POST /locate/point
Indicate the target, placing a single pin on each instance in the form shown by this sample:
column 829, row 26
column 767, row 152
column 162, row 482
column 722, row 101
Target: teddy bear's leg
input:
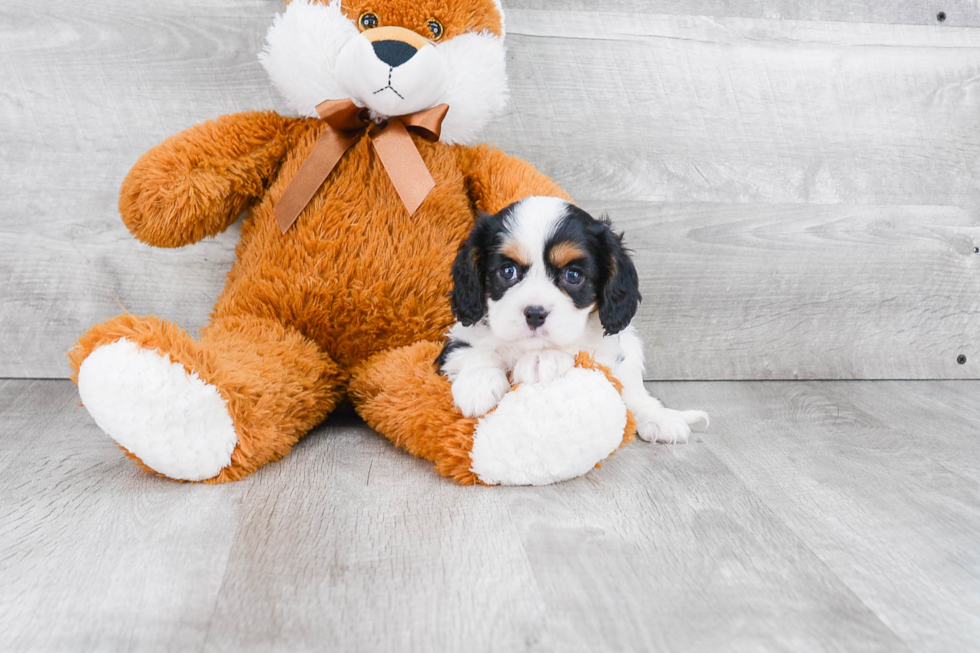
column 400, row 394
column 538, row 434
column 212, row 410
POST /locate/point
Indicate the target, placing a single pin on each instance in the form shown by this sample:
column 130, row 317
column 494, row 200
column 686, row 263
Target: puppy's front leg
column 479, row 379
column 653, row 420
column 543, row 366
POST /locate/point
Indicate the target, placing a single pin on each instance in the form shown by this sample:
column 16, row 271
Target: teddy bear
column 354, row 210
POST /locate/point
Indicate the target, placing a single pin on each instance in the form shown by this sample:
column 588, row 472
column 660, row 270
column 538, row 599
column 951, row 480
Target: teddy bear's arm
column 495, row 179
column 196, row 183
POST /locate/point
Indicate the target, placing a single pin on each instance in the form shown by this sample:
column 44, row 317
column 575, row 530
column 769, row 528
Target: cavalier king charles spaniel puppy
column 534, row 285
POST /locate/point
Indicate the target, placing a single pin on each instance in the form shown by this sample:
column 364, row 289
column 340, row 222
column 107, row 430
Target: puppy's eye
column 508, row 272
column 368, row 20
column 573, row 277
column 435, row 29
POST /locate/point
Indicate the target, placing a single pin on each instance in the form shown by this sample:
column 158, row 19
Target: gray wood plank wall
column 798, row 180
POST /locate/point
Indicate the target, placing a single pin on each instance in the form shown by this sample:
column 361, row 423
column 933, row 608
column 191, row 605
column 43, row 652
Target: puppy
column 534, row 285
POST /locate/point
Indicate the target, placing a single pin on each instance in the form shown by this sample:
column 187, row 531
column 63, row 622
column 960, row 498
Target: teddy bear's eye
column 435, row 29
column 368, row 20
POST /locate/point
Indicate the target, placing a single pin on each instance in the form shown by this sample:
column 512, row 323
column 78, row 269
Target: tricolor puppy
column 534, row 285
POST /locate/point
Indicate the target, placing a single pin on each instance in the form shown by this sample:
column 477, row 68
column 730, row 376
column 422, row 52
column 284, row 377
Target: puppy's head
column 394, row 57
column 539, row 269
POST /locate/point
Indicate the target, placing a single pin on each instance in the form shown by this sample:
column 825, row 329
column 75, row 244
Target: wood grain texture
column 839, row 111
column 879, row 480
column 804, row 291
column 811, row 517
column 681, row 558
column 94, row 557
column 83, row 95
column 913, row 12
column 353, row 545
column 680, row 108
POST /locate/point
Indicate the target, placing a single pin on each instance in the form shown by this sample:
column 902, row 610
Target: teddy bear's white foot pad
column 176, row 423
column 548, row 432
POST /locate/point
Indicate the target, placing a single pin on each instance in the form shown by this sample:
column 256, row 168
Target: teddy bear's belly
column 355, row 273
column 390, row 288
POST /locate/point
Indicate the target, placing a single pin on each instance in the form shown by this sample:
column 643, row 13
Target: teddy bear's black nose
column 394, row 53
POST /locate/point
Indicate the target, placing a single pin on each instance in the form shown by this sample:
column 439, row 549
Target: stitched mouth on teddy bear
column 389, row 87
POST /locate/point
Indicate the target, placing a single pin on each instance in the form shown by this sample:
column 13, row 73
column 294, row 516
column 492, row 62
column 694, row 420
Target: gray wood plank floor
column 813, row 516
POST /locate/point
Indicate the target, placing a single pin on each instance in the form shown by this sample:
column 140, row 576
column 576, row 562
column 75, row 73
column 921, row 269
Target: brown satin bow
column 346, row 123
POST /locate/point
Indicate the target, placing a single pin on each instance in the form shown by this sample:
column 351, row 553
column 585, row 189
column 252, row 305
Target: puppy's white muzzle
column 561, row 325
column 392, row 71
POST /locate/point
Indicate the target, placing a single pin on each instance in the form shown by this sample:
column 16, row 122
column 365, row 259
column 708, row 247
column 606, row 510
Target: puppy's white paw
column 477, row 391
column 666, row 425
column 543, row 366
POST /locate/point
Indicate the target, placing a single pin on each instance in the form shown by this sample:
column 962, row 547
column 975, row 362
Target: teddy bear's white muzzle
column 392, row 78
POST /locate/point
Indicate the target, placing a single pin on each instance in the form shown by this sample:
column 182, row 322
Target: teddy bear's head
column 394, row 57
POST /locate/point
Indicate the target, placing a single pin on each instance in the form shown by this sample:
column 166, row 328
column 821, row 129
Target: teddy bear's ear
column 301, row 50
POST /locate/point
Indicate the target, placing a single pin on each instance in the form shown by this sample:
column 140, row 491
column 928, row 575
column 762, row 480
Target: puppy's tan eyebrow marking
column 516, row 252
column 565, row 252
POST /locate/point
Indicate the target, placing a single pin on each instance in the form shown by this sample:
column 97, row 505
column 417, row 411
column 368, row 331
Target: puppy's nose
column 394, row 53
column 535, row 316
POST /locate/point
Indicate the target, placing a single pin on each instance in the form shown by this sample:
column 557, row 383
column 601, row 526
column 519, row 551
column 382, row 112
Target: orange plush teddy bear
column 355, row 212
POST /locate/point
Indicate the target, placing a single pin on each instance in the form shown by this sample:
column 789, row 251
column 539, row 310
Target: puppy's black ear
column 620, row 295
column 469, row 298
